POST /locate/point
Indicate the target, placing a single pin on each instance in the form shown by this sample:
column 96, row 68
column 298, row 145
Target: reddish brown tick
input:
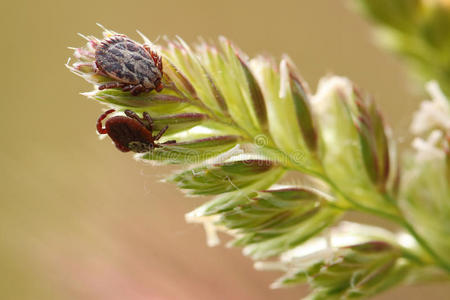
column 134, row 68
column 130, row 132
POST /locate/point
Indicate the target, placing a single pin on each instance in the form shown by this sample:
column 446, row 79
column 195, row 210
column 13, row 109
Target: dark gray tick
column 134, row 68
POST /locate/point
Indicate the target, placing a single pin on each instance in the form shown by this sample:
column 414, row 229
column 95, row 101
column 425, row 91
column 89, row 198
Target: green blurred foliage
column 418, row 30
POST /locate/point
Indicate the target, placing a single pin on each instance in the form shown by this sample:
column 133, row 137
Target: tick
column 130, row 132
column 134, row 68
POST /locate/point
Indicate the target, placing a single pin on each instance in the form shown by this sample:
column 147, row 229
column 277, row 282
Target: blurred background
column 81, row 220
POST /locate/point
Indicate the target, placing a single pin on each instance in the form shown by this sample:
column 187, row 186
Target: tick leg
column 110, row 85
column 160, row 134
column 100, row 128
column 133, row 115
column 149, row 119
column 98, row 72
column 127, row 88
column 159, row 87
column 169, row 142
column 156, row 58
column 136, row 90
column 148, row 49
column 147, row 90
column 159, row 64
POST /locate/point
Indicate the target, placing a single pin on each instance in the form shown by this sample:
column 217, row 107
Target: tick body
column 130, row 132
column 134, row 68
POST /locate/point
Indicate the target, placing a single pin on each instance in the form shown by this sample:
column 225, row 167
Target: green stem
column 442, row 263
column 359, row 206
column 406, row 253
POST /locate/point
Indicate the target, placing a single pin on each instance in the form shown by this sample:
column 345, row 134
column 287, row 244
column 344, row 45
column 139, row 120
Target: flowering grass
column 240, row 124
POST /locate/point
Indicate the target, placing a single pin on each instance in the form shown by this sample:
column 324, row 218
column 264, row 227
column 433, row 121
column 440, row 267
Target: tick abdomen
column 127, row 62
column 124, row 131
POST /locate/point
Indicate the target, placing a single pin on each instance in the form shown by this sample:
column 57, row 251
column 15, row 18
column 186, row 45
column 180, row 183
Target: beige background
column 80, row 220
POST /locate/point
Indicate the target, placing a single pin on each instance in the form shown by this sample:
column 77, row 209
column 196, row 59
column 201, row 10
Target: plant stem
column 442, row 263
column 406, row 253
column 358, row 205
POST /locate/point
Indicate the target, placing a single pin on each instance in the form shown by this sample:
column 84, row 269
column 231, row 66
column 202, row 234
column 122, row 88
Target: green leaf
column 272, row 212
column 230, row 201
column 276, row 220
column 223, row 177
column 185, row 60
column 191, row 152
column 425, row 194
column 257, row 97
column 155, row 103
column 174, row 76
column 434, row 29
column 374, row 141
column 348, row 144
column 229, row 81
column 306, row 228
column 399, row 14
column 368, row 152
column 303, row 111
column 179, row 122
column 355, row 271
column 418, row 31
